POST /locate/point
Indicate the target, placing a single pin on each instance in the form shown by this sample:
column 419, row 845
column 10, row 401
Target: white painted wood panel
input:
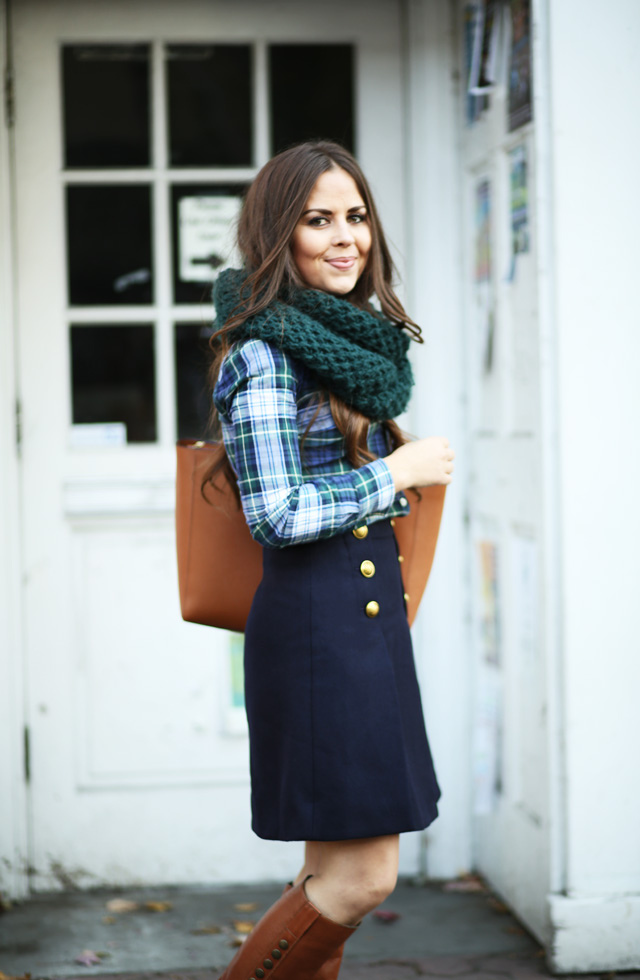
column 510, row 741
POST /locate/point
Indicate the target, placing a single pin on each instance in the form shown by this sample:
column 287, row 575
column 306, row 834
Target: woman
column 308, row 379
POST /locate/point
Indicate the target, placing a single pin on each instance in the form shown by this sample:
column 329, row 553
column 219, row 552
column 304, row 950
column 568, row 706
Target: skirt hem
column 378, row 832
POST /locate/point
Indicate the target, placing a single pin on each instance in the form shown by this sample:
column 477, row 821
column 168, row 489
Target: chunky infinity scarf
column 358, row 355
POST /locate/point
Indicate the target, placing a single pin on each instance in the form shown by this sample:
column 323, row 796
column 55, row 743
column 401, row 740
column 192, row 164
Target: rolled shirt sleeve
column 256, row 397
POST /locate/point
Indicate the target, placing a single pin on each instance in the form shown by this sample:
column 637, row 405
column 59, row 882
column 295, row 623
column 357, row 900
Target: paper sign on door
column 206, row 233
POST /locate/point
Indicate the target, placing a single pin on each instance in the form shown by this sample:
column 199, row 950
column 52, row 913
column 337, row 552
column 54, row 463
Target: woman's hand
column 421, row 463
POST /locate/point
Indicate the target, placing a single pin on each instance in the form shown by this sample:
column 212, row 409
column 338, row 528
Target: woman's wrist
column 400, row 471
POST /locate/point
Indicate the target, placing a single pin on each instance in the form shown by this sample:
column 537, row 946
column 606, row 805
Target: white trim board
column 593, row 934
column 13, row 798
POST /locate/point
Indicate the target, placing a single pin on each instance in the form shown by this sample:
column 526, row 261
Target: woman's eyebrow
column 356, row 207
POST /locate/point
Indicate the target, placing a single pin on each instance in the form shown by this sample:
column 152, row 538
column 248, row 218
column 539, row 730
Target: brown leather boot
column 330, row 969
column 292, row 941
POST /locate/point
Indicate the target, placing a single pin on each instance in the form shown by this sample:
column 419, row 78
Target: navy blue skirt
column 337, row 737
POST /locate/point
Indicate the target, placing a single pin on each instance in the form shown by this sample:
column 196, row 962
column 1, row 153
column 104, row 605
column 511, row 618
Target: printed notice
column 97, row 435
column 206, row 232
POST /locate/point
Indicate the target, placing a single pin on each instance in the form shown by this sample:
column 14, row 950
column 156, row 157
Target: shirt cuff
column 375, row 487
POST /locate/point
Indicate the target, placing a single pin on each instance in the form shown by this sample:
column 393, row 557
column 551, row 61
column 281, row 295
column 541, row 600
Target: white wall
column 441, row 634
column 13, row 813
column 594, row 93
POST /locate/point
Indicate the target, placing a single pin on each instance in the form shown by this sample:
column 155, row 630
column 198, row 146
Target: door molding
column 14, row 822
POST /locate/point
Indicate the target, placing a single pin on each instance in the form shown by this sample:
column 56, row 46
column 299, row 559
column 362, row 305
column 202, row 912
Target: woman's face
column 332, row 240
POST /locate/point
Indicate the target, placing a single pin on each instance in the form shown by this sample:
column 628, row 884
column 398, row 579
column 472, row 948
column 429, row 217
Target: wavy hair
column 272, row 208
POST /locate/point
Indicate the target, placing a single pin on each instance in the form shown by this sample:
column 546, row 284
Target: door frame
column 383, row 162
column 14, row 807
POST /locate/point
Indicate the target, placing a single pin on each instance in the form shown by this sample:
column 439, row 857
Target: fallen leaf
column 119, row 905
column 5, row 976
column 158, row 906
column 206, row 931
column 497, row 905
column 385, row 915
column 246, row 906
column 465, row 883
column 243, row 926
column 88, row 957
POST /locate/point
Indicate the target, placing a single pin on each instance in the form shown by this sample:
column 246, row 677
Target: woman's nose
column 343, row 234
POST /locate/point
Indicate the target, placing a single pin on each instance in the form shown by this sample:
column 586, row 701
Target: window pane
column 106, row 105
column 192, row 359
column 204, row 219
column 109, row 244
column 113, row 377
column 312, row 93
column 209, row 97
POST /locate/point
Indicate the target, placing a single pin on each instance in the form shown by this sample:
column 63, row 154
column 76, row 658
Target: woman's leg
column 353, row 877
column 311, row 866
column 306, row 928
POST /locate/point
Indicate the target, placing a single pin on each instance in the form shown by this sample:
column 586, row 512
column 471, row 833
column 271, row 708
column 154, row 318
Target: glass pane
column 312, row 93
column 113, row 377
column 203, row 225
column 192, row 359
column 109, row 244
column 106, row 105
column 210, row 111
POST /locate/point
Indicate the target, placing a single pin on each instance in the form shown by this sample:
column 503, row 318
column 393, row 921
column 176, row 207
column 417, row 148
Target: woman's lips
column 346, row 262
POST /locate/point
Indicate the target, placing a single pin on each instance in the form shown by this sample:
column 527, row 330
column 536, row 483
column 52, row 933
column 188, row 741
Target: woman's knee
column 371, row 888
column 365, row 886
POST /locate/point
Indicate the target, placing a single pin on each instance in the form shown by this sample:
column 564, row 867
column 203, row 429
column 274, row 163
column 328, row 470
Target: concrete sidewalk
column 187, row 934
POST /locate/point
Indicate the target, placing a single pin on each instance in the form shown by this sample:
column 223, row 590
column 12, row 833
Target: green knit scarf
column 355, row 353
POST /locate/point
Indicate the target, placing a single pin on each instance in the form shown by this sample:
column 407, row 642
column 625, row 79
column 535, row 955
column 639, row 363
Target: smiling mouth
column 347, row 262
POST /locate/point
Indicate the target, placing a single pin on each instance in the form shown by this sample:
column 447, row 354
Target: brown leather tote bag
column 220, row 565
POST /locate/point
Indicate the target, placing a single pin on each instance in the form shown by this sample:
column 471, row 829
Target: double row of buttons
column 368, row 569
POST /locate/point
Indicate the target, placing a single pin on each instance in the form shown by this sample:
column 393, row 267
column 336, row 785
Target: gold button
column 360, row 532
column 406, row 597
column 372, row 609
column 367, row 568
column 392, row 522
column 400, row 557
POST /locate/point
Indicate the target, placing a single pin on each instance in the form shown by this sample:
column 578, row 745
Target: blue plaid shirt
column 266, row 400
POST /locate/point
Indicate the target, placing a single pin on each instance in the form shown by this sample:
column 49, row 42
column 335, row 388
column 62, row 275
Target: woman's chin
column 341, row 286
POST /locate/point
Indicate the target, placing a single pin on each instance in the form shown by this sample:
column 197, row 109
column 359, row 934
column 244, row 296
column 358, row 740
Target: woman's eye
column 317, row 222
column 358, row 218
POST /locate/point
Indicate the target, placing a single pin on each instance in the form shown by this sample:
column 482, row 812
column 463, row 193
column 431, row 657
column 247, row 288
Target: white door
column 137, row 126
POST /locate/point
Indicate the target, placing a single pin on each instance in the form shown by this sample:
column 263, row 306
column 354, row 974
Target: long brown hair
column 271, row 211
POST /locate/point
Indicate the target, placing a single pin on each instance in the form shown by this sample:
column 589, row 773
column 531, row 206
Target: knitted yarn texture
column 357, row 354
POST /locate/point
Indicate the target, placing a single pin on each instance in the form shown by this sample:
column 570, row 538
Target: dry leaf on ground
column 385, row 915
column 246, row 906
column 243, row 926
column 119, row 905
column 5, row 976
column 465, row 883
column 158, row 906
column 497, row 905
column 89, row 957
column 206, row 931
